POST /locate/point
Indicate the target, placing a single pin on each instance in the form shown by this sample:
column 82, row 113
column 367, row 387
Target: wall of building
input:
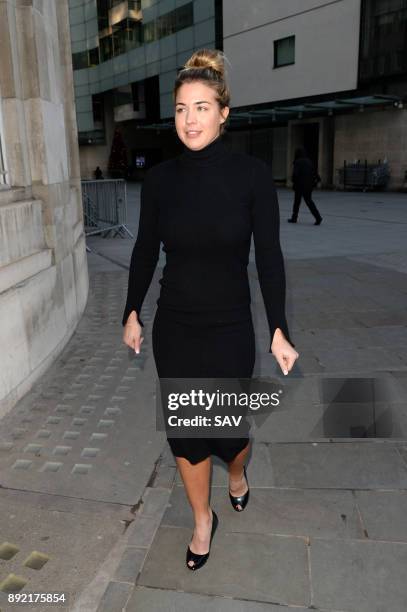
column 323, row 63
column 91, row 156
column 43, row 268
column 373, row 135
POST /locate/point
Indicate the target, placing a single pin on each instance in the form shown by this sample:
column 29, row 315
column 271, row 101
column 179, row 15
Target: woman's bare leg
column 196, row 482
column 237, row 482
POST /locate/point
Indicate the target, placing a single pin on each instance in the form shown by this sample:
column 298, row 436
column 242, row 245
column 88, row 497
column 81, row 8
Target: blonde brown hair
column 208, row 66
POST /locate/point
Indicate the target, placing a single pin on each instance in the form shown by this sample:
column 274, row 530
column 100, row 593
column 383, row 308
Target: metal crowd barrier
column 105, row 207
column 364, row 175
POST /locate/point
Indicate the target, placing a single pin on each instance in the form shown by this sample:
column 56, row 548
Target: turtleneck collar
column 207, row 155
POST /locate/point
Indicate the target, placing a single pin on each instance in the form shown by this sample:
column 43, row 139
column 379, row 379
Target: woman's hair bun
column 208, row 58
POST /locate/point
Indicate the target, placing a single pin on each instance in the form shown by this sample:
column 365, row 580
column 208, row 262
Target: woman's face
column 197, row 115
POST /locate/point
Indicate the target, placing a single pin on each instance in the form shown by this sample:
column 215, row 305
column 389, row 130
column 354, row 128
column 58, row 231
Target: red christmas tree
column 118, row 156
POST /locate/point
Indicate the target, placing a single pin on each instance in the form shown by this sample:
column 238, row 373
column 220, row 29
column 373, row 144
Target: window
column 98, row 111
column 134, row 5
column 184, row 16
column 85, row 59
column 80, row 60
column 149, row 31
column 284, row 51
column 127, row 35
column 106, row 48
column 94, row 57
column 131, row 32
column 168, row 24
column 103, row 7
column 135, row 96
column 122, row 95
column 383, row 39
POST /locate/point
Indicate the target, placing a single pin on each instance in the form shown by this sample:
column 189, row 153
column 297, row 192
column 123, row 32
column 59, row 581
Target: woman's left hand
column 284, row 353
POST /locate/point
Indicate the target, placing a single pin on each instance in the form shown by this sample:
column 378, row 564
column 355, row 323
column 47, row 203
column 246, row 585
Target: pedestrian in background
column 305, row 178
column 98, row 174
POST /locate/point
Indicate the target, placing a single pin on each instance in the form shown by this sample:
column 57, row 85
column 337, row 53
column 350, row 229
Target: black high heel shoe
column 200, row 560
column 241, row 500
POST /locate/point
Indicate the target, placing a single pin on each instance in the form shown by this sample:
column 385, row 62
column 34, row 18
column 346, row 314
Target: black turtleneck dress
column 204, row 206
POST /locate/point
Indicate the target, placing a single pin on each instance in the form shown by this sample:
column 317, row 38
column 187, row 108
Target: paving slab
column 277, row 511
column 359, row 576
column 163, row 600
column 393, row 260
column 363, row 420
column 359, row 360
column 115, row 597
column 281, row 577
column 347, row 465
column 89, row 419
column 130, row 565
column 294, row 422
column 63, row 532
column 384, row 514
column 143, row 531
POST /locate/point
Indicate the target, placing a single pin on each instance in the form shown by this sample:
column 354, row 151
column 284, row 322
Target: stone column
column 43, row 267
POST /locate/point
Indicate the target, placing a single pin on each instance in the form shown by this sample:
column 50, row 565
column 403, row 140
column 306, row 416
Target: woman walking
column 204, row 205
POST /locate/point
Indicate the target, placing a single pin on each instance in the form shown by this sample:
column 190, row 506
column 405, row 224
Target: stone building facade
column 43, row 267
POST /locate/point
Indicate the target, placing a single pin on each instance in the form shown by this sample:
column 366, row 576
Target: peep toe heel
column 200, row 560
column 241, row 500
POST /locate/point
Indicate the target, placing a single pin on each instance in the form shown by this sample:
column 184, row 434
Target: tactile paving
column 73, row 434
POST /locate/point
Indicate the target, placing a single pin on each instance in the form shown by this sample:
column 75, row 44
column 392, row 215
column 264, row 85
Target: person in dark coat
column 305, row 178
column 98, row 174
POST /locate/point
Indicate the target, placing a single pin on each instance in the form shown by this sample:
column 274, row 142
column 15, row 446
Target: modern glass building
column 293, row 80
column 125, row 56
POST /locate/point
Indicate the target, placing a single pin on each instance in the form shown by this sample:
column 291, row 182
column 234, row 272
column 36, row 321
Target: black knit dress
column 204, row 206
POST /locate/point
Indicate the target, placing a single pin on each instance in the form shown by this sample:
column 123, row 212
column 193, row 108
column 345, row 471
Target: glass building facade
column 130, row 50
column 130, row 32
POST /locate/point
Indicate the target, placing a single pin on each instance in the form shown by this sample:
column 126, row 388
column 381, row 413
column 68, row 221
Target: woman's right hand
column 132, row 332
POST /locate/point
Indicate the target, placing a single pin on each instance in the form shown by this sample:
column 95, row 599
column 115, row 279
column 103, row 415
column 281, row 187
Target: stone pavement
column 92, row 504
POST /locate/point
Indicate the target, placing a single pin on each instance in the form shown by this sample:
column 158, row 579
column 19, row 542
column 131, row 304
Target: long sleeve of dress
column 268, row 255
column 145, row 251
